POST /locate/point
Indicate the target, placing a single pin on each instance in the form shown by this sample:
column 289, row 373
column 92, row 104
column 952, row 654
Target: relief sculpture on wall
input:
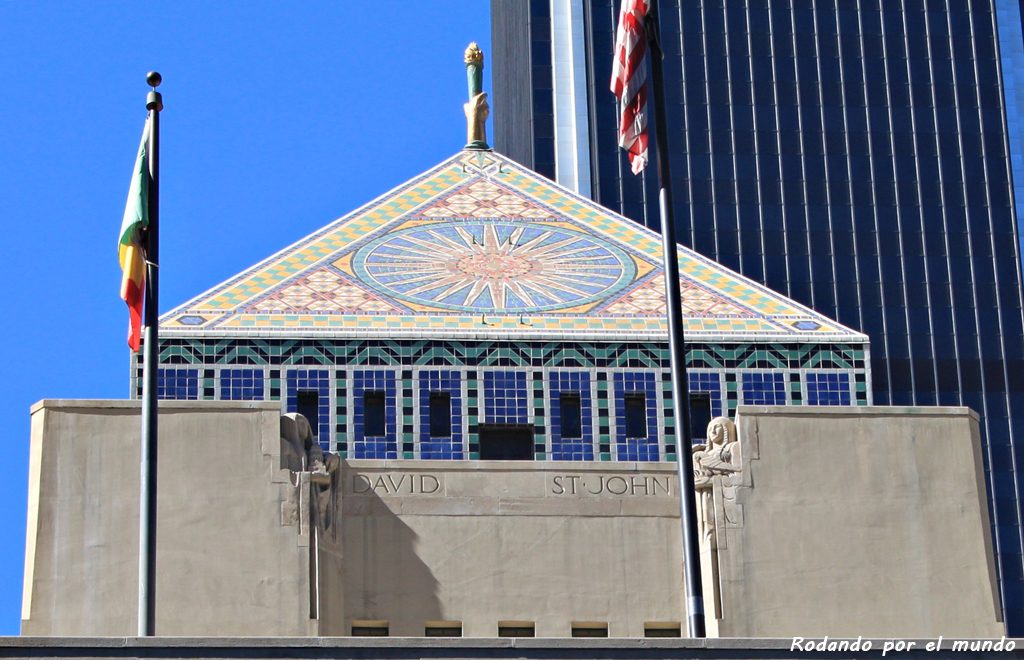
column 715, row 466
column 300, row 452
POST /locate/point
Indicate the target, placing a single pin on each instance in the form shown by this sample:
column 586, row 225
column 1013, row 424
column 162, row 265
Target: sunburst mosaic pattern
column 481, row 246
column 494, row 266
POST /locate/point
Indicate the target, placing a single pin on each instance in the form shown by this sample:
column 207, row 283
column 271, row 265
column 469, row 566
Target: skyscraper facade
column 864, row 157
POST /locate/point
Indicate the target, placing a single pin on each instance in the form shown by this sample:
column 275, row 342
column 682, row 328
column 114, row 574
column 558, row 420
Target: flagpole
column 151, row 341
column 677, row 346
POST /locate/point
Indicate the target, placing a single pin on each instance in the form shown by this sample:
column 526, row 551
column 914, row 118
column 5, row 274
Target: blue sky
column 278, row 119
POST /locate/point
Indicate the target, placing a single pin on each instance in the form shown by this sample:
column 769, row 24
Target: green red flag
column 131, row 250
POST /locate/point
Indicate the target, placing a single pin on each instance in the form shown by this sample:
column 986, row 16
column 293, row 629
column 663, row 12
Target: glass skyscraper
column 864, row 157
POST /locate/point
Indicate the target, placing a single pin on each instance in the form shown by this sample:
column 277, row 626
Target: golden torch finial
column 473, row 54
column 476, row 109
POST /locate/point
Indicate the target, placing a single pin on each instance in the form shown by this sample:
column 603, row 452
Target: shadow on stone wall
column 369, row 569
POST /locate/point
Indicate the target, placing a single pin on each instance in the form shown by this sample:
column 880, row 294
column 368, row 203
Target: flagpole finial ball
column 154, row 79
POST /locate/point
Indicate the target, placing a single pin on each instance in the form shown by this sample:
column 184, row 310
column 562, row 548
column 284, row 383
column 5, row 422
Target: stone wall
column 550, row 543
column 866, row 521
column 232, row 536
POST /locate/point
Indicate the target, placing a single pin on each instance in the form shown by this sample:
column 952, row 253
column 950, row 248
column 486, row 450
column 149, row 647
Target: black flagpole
column 150, row 343
column 680, row 384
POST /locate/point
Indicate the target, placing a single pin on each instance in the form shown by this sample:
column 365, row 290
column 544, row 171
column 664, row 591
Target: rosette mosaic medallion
column 481, row 246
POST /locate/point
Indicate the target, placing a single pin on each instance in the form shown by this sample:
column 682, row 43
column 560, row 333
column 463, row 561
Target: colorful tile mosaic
column 828, row 389
column 572, row 420
column 514, row 382
column 505, row 398
column 448, row 384
column 766, row 389
column 636, row 416
column 370, row 442
column 479, row 294
column 484, row 199
column 241, row 385
column 480, row 246
column 180, row 384
column 309, row 393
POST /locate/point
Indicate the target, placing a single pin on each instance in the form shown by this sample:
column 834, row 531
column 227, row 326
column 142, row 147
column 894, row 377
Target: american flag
column 629, row 81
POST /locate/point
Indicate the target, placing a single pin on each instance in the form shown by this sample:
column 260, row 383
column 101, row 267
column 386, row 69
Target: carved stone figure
column 300, row 452
column 721, row 453
column 719, row 457
column 303, row 452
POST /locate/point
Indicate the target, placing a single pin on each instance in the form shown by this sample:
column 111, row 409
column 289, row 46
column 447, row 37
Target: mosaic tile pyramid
column 479, row 247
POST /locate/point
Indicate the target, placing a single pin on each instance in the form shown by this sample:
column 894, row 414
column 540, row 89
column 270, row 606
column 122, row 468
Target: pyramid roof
column 481, row 247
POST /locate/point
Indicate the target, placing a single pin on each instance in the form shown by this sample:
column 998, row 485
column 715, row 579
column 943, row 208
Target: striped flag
column 131, row 251
column 629, row 81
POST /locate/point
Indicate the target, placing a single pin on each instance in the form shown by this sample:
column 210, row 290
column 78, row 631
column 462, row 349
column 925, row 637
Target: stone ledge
column 134, row 404
column 855, row 411
column 462, row 648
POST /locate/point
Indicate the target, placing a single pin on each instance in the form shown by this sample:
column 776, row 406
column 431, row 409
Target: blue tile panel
column 636, row 449
column 825, row 389
column 506, row 399
column 450, row 382
column 699, row 383
column 708, row 383
column 181, row 384
column 312, row 380
column 571, row 449
column 241, row 384
column 765, row 389
column 208, row 369
column 385, row 446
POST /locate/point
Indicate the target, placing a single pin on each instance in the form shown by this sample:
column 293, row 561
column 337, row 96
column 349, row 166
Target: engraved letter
column 634, row 486
column 396, row 487
column 611, row 490
column 556, row 485
column 660, row 483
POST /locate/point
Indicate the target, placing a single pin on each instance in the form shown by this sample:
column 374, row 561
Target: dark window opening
column 636, row 415
column 308, row 405
column 506, row 442
column 440, row 415
column 516, row 629
column 443, row 629
column 370, row 629
column 700, row 415
column 590, row 630
column 666, row 629
column 374, row 414
column 572, row 415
